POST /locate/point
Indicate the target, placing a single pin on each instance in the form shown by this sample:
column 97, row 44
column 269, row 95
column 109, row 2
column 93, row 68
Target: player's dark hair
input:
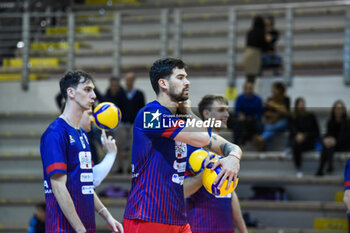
column 72, row 79
column 162, row 69
column 207, row 101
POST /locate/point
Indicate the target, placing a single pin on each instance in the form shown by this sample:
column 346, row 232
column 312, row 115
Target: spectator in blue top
column 248, row 113
column 37, row 222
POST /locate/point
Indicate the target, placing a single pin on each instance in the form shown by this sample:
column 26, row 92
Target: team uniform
column 66, row 150
column 347, row 185
column 156, row 200
column 206, row 212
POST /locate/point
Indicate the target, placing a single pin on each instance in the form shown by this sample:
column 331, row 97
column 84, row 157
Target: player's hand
column 114, row 225
column 185, row 106
column 209, row 158
column 108, row 143
column 230, row 168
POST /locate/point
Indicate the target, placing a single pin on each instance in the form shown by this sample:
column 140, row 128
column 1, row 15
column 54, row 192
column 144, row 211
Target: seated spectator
column 37, row 222
column 248, row 113
column 275, row 115
column 336, row 137
column 255, row 44
column 304, row 132
column 270, row 58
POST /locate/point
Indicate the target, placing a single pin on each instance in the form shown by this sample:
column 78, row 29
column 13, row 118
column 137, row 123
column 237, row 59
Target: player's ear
column 70, row 92
column 206, row 114
column 163, row 84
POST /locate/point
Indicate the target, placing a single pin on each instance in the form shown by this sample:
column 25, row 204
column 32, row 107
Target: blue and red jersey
column 207, row 212
column 347, row 175
column 347, row 185
column 158, row 168
column 66, row 150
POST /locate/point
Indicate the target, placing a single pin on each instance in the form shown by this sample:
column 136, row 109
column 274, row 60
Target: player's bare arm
column 113, row 224
column 230, row 164
column 237, row 214
column 347, row 199
column 221, row 146
column 192, row 184
column 59, row 188
column 194, row 136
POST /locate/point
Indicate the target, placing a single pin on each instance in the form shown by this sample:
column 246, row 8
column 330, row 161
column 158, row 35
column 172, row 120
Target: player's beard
column 178, row 97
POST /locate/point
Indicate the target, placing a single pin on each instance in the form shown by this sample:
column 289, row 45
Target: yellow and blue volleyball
column 197, row 159
column 106, row 116
column 208, row 181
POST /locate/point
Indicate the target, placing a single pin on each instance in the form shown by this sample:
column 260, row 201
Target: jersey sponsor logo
column 180, row 150
column 85, row 160
column 86, row 177
column 71, row 139
column 46, row 187
column 178, row 179
column 87, row 189
column 151, row 120
column 48, row 191
column 134, row 175
column 179, row 167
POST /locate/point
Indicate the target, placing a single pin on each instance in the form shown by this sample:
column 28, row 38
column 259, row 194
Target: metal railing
column 165, row 26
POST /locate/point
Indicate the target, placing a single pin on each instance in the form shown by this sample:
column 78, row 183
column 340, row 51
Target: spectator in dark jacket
column 248, row 113
column 255, row 43
column 337, row 137
column 270, row 57
column 115, row 93
column 131, row 101
column 304, row 132
column 135, row 100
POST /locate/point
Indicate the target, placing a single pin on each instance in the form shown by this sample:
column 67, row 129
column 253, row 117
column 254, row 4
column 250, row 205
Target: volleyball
column 208, row 179
column 197, row 159
column 106, row 116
